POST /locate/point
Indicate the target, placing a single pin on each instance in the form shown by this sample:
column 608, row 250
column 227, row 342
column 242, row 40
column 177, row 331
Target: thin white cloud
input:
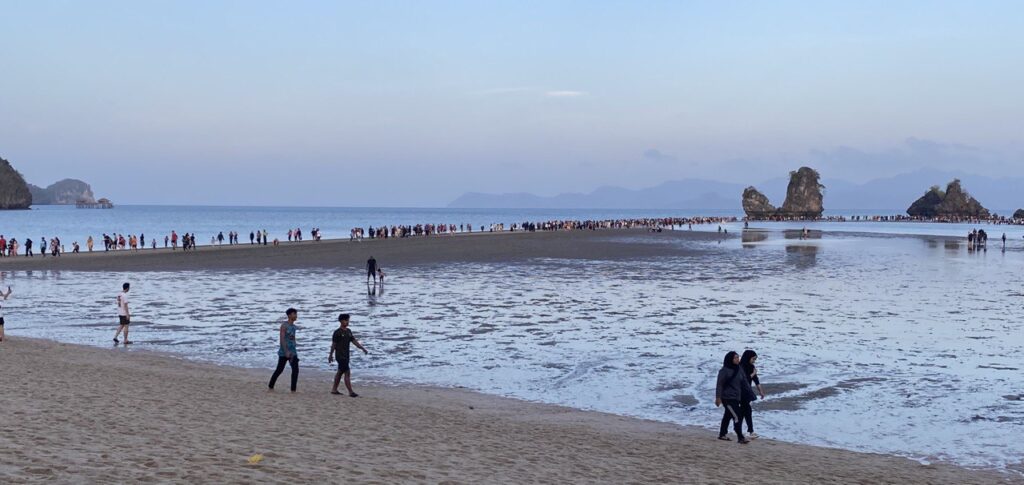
column 565, row 94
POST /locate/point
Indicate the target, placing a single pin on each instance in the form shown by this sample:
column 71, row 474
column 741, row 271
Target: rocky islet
column 14, row 192
column 954, row 202
column 804, row 198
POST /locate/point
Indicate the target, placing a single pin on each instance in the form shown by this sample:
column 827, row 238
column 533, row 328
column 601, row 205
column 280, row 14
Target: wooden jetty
column 99, row 204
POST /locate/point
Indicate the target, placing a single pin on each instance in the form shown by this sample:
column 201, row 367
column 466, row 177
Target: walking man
column 286, row 351
column 371, row 270
column 340, row 349
column 123, row 315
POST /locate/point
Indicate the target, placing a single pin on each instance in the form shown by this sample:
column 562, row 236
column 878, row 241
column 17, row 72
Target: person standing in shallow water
column 747, row 362
column 729, row 392
column 371, row 269
column 340, row 348
column 287, row 351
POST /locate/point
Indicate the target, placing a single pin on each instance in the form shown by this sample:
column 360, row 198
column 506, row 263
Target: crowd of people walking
column 188, row 242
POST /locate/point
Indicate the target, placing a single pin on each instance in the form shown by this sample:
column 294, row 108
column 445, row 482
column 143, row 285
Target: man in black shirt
column 340, row 349
column 371, row 269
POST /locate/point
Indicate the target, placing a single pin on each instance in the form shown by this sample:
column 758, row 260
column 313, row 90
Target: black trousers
column 748, row 416
column 733, row 412
column 294, row 363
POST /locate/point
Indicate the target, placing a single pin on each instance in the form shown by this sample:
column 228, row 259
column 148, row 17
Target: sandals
column 725, row 438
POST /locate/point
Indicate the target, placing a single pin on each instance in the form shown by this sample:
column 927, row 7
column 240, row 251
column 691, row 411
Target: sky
column 412, row 103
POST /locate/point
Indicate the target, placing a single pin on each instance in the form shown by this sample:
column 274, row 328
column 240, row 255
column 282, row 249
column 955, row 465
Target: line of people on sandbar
column 120, row 242
column 9, row 247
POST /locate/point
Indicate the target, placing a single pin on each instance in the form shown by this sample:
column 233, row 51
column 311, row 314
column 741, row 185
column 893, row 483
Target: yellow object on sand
column 254, row 459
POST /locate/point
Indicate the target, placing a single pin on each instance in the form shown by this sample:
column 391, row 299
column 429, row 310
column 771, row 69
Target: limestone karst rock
column 804, row 198
column 64, row 192
column 14, row 193
column 756, row 204
column 953, row 202
column 804, row 195
column 927, row 205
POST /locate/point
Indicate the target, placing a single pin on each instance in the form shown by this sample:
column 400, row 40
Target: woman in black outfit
column 747, row 364
column 731, row 390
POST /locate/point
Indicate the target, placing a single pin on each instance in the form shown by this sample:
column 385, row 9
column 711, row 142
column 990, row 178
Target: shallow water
column 882, row 343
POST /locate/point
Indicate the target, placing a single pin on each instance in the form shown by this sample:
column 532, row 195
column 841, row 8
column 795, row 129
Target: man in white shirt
column 123, row 315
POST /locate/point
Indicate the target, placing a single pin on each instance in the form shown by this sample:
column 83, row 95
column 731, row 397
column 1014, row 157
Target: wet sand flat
column 79, row 414
column 469, row 247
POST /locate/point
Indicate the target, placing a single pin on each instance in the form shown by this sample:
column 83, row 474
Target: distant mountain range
column 884, row 195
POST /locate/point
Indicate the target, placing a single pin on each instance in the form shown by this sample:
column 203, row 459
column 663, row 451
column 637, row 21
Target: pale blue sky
column 413, row 103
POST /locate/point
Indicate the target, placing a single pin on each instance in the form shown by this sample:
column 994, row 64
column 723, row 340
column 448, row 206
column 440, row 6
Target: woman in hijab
column 730, row 390
column 747, row 364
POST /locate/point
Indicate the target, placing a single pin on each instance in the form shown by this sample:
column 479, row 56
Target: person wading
column 371, row 269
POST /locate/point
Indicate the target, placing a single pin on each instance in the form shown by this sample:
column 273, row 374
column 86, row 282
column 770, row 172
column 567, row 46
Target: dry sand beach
column 71, row 413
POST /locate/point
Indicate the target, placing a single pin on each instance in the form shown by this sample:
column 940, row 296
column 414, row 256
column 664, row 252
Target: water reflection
column 751, row 237
column 801, row 234
column 802, row 256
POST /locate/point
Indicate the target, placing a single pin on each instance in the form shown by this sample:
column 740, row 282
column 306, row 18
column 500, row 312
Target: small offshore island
column 17, row 194
column 805, row 195
column 14, row 192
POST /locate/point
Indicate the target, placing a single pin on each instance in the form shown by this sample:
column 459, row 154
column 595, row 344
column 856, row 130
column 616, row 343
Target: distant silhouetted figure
column 371, row 269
